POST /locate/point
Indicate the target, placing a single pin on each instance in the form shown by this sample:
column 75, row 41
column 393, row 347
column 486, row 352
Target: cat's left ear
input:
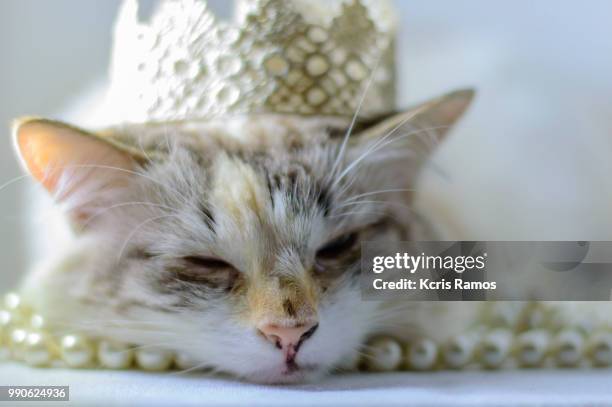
column 81, row 170
column 415, row 133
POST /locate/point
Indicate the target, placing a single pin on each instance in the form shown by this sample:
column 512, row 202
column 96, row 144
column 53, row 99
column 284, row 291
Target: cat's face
column 238, row 243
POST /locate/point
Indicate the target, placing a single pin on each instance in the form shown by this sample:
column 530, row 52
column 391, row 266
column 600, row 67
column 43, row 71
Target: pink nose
column 288, row 338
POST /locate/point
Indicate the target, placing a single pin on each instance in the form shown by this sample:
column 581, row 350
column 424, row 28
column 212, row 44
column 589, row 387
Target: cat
column 236, row 241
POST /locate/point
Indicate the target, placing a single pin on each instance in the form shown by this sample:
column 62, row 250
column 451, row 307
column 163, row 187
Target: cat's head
column 235, row 241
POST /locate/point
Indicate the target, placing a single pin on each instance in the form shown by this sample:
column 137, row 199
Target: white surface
column 505, row 388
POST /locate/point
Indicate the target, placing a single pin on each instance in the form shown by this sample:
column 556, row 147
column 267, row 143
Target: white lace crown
column 279, row 56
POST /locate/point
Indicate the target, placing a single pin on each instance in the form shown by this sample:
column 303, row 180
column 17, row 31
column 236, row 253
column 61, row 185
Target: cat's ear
column 415, row 133
column 80, row 169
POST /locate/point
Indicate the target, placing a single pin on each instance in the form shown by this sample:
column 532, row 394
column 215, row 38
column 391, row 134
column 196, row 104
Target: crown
column 278, row 56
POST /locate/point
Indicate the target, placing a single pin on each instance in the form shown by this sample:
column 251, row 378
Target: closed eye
column 206, row 262
column 210, row 271
column 338, row 247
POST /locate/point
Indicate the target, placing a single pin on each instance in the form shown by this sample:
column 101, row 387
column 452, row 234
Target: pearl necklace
column 25, row 337
column 511, row 335
column 503, row 341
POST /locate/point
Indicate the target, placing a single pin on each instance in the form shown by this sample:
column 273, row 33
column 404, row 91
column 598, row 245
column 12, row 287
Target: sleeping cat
column 236, row 241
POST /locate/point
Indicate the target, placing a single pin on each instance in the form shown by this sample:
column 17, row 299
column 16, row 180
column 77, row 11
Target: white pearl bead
column 37, row 350
column 495, row 348
column 532, row 347
column 17, row 339
column 77, row 351
column 37, row 322
column 383, row 354
column 568, row 347
column 6, row 319
column 12, row 301
column 115, row 355
column 600, row 349
column 153, row 359
column 459, row 351
column 185, row 362
column 422, row 354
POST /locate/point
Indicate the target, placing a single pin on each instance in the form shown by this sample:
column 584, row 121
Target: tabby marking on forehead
column 238, row 189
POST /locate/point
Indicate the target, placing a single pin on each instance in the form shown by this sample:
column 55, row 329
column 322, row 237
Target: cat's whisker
column 347, row 186
column 382, row 191
column 392, row 155
column 340, row 369
column 426, row 135
column 124, row 204
column 140, row 225
column 349, row 131
column 96, row 322
column 197, row 367
column 124, row 327
column 96, row 327
column 130, row 322
column 108, row 167
column 418, row 133
column 391, row 203
column 360, row 211
column 380, row 144
column 396, row 154
column 166, row 344
column 13, row 181
column 368, row 212
column 380, row 140
column 381, row 213
column 433, row 139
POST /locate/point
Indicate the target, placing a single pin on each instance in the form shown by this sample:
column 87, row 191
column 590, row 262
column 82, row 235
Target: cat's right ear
column 80, row 169
column 411, row 136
